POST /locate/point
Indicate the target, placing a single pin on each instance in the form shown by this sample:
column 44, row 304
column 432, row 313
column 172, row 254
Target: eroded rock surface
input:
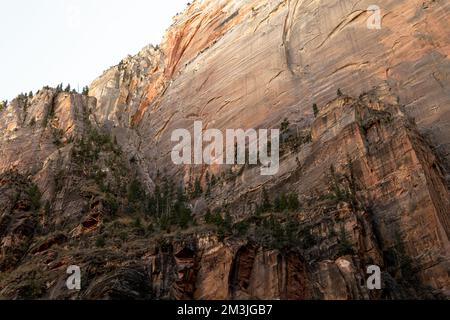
column 363, row 180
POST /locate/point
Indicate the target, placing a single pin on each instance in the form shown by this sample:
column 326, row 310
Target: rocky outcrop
column 363, row 179
column 403, row 182
column 17, row 219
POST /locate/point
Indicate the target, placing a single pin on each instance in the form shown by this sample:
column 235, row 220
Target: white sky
column 47, row 42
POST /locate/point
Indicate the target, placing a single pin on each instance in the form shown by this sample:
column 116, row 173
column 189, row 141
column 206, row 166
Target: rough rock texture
column 17, row 219
column 250, row 63
column 88, row 180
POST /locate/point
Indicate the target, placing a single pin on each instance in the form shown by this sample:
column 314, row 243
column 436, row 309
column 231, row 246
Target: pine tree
column 208, row 217
column 197, row 192
column 345, row 247
column 67, row 89
column 292, row 202
column 86, row 91
column 208, row 183
column 266, row 205
column 277, row 204
column 228, row 221
column 135, row 192
column 316, row 110
column 285, row 125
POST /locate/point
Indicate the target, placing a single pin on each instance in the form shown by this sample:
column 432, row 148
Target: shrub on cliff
column 35, row 197
column 345, row 247
column 85, row 91
column 285, row 126
column 197, row 190
column 32, row 122
column 266, row 205
column 136, row 197
column 316, row 110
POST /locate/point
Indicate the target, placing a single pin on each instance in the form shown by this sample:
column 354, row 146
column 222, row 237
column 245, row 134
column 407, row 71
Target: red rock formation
column 370, row 173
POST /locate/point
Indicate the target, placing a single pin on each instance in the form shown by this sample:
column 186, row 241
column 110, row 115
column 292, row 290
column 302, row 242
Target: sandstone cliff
column 88, row 180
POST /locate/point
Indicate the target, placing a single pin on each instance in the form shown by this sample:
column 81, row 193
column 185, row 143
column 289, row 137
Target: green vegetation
column 33, row 287
column 112, row 204
column 58, row 179
column 275, row 234
column 283, row 202
column 169, row 207
column 23, row 101
column 47, row 208
column 315, row 110
column 265, row 205
column 343, row 187
column 35, row 196
column 267, row 226
column 293, row 139
column 213, row 180
column 98, row 159
column 136, row 192
column 339, row 192
column 32, row 122
column 50, row 113
column 208, row 184
column 404, row 262
column 224, row 224
column 345, row 247
column 137, row 223
column 58, row 135
column 87, row 149
column 3, row 104
column 100, row 242
column 285, row 126
column 286, row 202
column 85, row 91
column 197, row 191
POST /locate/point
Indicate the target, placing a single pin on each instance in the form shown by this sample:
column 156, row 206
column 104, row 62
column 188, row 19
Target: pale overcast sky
column 46, row 42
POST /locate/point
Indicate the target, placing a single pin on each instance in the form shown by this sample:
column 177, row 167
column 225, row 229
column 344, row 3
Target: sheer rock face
column 33, row 126
column 372, row 182
column 234, row 64
column 239, row 64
